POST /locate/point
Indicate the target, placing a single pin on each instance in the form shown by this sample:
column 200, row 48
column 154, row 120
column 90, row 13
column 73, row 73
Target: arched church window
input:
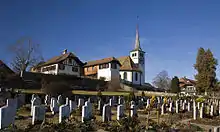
column 125, row 75
column 136, row 76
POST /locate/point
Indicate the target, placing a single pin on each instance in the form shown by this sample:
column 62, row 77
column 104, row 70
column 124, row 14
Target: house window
column 125, row 75
column 61, row 66
column 70, row 61
column 102, row 66
column 113, row 65
column 136, row 76
column 75, row 69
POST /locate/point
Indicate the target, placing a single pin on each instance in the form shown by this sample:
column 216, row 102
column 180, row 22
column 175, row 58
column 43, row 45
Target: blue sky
column 171, row 30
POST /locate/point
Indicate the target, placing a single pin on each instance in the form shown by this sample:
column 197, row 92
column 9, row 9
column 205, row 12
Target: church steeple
column 137, row 39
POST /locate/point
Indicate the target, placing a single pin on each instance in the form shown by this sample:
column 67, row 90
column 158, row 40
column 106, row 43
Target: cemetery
column 33, row 112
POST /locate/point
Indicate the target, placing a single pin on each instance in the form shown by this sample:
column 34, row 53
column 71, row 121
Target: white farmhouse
column 106, row 69
column 66, row 63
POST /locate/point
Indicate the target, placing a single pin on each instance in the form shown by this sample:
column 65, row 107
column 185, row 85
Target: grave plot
column 107, row 113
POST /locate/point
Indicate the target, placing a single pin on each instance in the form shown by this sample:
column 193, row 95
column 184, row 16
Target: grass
column 79, row 92
column 83, row 92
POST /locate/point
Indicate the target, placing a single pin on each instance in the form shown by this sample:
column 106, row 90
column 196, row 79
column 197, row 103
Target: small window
column 61, row 66
column 135, row 54
column 70, row 61
column 125, row 75
column 75, row 69
column 136, row 76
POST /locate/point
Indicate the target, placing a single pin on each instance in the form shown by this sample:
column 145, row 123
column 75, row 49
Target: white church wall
column 138, row 81
column 135, row 58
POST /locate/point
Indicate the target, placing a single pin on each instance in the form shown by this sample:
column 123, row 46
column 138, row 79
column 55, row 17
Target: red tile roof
column 128, row 64
column 101, row 61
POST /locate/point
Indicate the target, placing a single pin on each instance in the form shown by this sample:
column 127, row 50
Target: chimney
column 64, row 51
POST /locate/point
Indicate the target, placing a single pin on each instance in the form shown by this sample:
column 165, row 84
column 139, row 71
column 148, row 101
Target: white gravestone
column 47, row 100
column 188, row 106
column 201, row 112
column 84, row 113
column 133, row 110
column 120, row 111
column 106, row 113
column 7, row 113
column 38, row 114
column 54, row 106
column 64, row 112
column 212, row 110
column 194, row 110
column 171, row 107
column 89, row 106
column 163, row 109
column 177, row 107
column 111, row 102
column 80, row 102
column 60, row 100
column 72, row 105
column 67, row 101
column 34, row 102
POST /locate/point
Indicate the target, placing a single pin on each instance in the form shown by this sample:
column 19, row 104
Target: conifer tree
column 175, row 85
column 206, row 67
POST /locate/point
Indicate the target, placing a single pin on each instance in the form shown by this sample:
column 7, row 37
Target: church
column 127, row 69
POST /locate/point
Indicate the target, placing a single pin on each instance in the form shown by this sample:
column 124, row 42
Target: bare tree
column 162, row 80
column 26, row 53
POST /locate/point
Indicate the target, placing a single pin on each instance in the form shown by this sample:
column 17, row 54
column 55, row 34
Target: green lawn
column 79, row 92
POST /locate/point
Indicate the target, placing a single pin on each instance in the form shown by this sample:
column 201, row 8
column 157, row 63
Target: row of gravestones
column 8, row 111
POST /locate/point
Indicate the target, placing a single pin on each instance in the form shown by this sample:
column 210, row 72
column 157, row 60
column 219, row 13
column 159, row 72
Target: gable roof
column 127, row 64
column 58, row 59
column 4, row 68
column 185, row 81
column 102, row 61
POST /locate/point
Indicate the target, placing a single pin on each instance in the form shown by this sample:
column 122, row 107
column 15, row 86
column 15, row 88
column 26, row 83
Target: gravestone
column 201, row 112
column 8, row 113
column 34, row 102
column 60, row 100
column 183, row 107
column 120, row 111
column 194, row 110
column 111, row 102
column 64, row 112
column 106, row 113
column 177, row 106
column 80, row 102
column 133, row 110
column 72, row 105
column 89, row 107
column 47, row 100
column 54, row 106
column 171, row 107
column 84, row 113
column 212, row 110
column 148, row 103
column 188, row 106
column 163, row 109
column 38, row 114
column 67, row 101
column 120, row 100
column 20, row 100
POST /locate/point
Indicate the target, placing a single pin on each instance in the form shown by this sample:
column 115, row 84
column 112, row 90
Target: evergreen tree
column 206, row 67
column 174, row 88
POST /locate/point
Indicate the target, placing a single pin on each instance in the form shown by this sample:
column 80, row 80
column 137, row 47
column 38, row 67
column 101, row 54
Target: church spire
column 137, row 39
